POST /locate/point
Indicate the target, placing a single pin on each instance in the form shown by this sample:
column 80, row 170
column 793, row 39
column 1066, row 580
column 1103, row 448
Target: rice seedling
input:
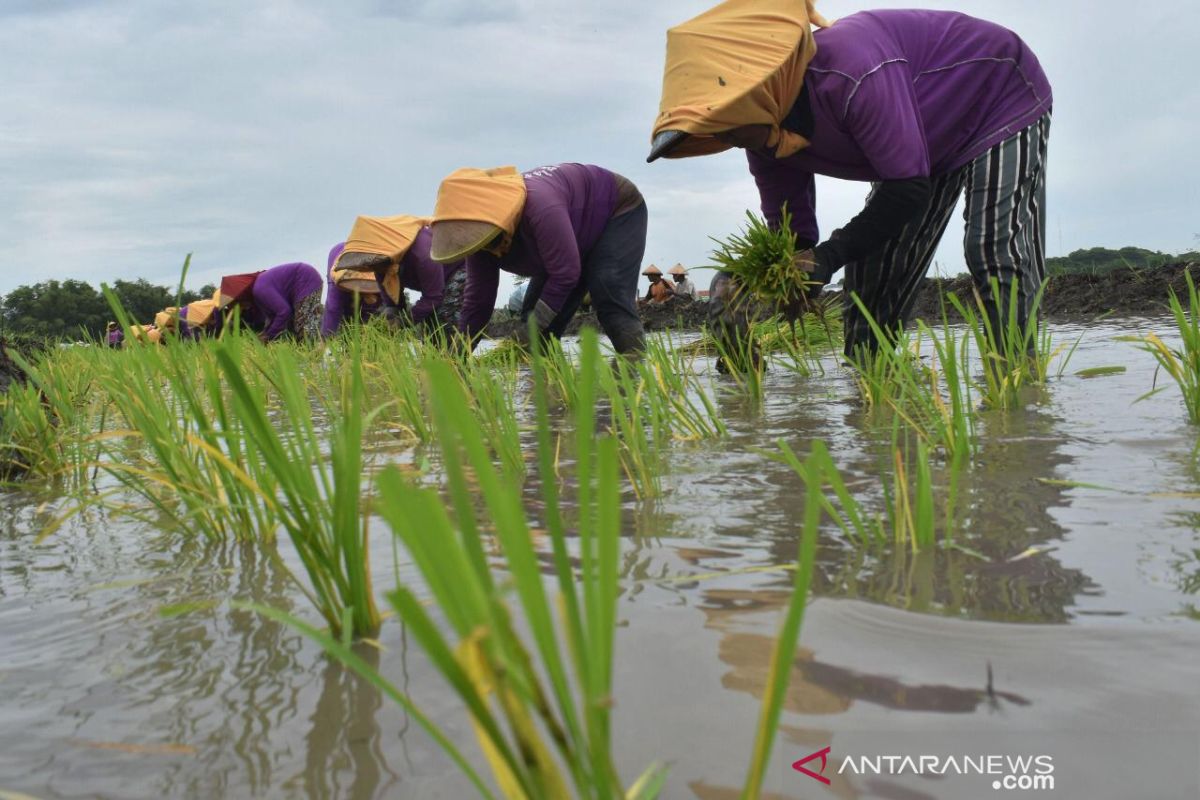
column 671, row 374
column 909, row 518
column 540, row 704
column 1013, row 355
column 192, row 464
column 762, row 259
column 50, row 424
column 320, row 498
column 1182, row 364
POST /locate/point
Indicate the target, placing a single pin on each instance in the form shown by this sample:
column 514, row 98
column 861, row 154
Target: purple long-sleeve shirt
column 903, row 94
column 339, row 304
column 279, row 290
column 566, row 209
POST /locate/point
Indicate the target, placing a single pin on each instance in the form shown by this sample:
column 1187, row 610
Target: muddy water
column 1067, row 625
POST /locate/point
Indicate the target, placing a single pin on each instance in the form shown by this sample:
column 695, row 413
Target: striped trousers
column 1005, row 239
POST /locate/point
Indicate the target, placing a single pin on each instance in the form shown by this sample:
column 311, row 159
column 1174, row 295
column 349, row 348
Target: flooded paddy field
column 1063, row 620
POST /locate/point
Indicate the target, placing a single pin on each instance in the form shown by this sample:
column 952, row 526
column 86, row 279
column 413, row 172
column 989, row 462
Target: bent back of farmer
column 570, row 228
column 924, row 105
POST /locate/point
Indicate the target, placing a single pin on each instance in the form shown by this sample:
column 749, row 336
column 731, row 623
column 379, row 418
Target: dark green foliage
column 1096, row 260
column 72, row 309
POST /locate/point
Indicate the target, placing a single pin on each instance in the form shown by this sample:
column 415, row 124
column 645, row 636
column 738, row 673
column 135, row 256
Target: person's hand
column 543, row 315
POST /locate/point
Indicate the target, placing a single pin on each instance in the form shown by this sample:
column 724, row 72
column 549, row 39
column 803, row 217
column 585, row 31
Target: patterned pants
column 1005, row 239
column 445, row 313
column 306, row 319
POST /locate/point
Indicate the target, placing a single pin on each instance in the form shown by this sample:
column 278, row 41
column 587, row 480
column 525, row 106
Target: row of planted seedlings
column 931, row 389
column 233, row 438
column 540, row 702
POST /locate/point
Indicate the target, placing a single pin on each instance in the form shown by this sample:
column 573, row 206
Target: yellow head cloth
column 739, row 63
column 493, row 196
column 200, row 312
column 384, row 236
column 142, row 334
column 166, row 319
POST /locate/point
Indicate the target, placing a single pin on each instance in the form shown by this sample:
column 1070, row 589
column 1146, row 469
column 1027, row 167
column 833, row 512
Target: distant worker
column 199, row 318
column 923, row 104
column 142, row 334
column 276, row 301
column 113, row 335
column 683, row 284
column 569, row 228
column 659, row 291
column 394, row 253
column 349, row 294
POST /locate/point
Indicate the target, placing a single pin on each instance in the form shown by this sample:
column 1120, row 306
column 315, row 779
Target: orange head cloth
column 491, row 198
column 145, row 334
column 200, row 312
column 382, row 236
column 234, row 288
column 740, row 63
column 165, row 320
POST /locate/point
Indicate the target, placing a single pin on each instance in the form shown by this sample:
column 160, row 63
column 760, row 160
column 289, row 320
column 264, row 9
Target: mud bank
column 1069, row 298
column 1076, row 297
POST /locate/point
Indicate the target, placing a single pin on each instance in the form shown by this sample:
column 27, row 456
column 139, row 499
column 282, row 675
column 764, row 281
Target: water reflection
column 1003, row 569
column 343, row 755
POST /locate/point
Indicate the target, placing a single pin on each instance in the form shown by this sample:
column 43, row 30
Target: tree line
column 73, row 309
column 1095, row 260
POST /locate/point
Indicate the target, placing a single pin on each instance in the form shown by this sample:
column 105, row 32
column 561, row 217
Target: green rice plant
column 762, row 259
column 1182, row 364
column 493, row 390
column 320, row 498
column 740, row 358
column 1012, row 355
column 910, row 503
column 641, row 424
column 671, row 375
column 819, row 471
column 934, row 401
column 540, row 702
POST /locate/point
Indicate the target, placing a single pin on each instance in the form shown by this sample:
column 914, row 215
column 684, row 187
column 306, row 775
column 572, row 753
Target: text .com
column 1022, row 773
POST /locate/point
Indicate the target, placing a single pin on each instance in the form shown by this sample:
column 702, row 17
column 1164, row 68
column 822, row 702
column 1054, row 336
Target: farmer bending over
column 279, row 300
column 571, row 229
column 392, row 253
column 923, row 104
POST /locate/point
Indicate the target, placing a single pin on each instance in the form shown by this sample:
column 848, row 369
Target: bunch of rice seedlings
column 1182, row 364
column 762, row 260
column 538, row 690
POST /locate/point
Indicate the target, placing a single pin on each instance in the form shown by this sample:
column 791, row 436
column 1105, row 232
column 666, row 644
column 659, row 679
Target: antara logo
column 819, row 774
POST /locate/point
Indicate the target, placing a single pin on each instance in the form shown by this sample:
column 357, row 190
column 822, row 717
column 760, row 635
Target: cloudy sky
column 251, row 132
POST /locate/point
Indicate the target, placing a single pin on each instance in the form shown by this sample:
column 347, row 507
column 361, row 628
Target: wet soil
column 1078, row 296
